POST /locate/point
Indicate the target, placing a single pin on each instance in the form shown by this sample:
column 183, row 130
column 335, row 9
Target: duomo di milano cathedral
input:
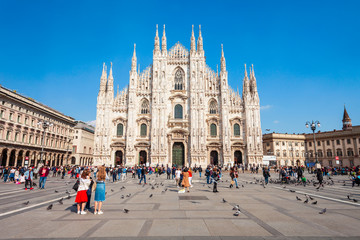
column 178, row 111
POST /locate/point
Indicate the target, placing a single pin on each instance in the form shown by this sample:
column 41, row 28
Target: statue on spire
column 192, row 40
column 134, row 60
column 200, row 41
column 157, row 41
column 163, row 42
column 222, row 60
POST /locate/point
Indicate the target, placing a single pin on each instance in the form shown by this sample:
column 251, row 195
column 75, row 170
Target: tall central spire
column 192, row 40
column 157, row 41
column 163, row 42
column 200, row 41
column 222, row 60
column 134, row 60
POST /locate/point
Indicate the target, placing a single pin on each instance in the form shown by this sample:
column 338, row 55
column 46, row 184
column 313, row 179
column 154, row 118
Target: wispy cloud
column 276, row 121
column 266, row 107
column 92, row 123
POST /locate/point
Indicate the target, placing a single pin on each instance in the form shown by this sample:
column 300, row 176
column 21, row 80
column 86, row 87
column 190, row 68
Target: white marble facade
column 178, row 111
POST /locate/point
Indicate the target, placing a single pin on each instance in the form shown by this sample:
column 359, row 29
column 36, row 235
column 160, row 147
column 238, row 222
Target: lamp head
column 307, row 125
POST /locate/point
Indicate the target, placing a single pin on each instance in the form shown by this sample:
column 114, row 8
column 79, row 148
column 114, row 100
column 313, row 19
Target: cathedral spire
column 134, row 60
column 157, row 41
column 222, row 60
column 200, row 42
column 103, row 79
column 253, row 79
column 110, row 83
column 245, row 82
column 163, row 42
column 110, row 73
column 192, row 40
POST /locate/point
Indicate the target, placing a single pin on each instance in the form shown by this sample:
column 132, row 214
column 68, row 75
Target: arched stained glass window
column 236, row 129
column 119, row 130
column 178, row 111
column 145, row 109
column 213, row 107
column 143, row 130
column 179, row 80
column 213, row 130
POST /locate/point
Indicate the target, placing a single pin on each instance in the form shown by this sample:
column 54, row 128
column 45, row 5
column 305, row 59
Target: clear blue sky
column 306, row 54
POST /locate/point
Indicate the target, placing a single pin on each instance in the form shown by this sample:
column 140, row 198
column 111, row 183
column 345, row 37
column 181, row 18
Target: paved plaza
column 266, row 213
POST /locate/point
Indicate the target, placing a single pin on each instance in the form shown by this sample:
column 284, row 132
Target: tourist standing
column 266, row 174
column 44, row 172
column 215, row 177
column 81, row 196
column 185, row 181
column 28, row 178
column 143, row 175
column 200, row 171
column 100, row 190
column 177, row 176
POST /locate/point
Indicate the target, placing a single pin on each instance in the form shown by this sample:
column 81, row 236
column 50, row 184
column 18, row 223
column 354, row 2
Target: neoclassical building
column 21, row 132
column 83, row 144
column 178, row 111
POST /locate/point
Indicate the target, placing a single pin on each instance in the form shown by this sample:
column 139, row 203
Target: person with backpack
column 216, row 178
column 168, row 172
column 81, row 196
column 207, row 175
column 266, row 174
column 143, row 175
column 200, row 171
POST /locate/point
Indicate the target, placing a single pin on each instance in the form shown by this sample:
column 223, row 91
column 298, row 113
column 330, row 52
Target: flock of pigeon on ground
column 236, row 207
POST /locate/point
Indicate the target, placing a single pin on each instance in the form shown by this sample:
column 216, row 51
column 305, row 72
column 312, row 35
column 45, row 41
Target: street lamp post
column 313, row 125
column 45, row 125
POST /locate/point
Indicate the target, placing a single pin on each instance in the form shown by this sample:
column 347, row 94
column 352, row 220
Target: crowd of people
column 93, row 179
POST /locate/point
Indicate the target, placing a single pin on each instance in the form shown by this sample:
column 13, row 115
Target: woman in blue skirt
column 100, row 190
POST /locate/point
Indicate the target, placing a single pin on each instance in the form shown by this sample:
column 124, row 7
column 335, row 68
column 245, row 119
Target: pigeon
column 348, row 196
column 314, row 202
column 68, row 197
column 355, row 200
column 237, row 213
column 105, row 193
column 128, row 195
column 322, row 211
column 126, row 210
column 306, row 201
column 242, row 185
column 49, row 207
column 112, row 190
column 67, row 192
column 26, row 203
column 224, row 201
column 61, row 201
column 56, row 191
column 165, row 189
column 292, row 190
column 236, row 207
column 152, row 187
column 297, row 198
column 311, row 198
column 122, row 196
column 150, row 195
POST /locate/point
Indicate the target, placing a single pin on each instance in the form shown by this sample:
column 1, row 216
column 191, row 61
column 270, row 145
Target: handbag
column 93, row 188
column 76, row 185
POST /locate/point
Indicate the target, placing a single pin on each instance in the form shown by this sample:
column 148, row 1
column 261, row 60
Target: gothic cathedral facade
column 178, row 111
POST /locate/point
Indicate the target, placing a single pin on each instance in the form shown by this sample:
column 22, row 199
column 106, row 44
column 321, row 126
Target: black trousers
column 88, row 192
column 215, row 187
column 28, row 182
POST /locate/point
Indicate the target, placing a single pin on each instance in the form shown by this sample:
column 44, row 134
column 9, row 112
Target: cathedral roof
column 178, row 51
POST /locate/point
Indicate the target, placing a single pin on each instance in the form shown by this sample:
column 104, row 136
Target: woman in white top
column 81, row 196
